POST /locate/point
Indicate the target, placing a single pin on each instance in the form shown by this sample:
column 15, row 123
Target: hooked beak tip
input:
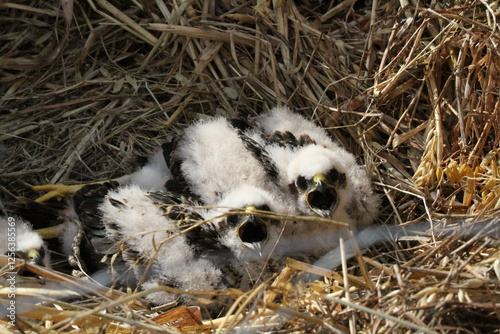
column 34, row 257
column 322, row 213
column 257, row 247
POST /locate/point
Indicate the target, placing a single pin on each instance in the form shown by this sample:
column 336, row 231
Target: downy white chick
column 229, row 249
column 319, row 176
column 217, row 163
column 322, row 176
column 213, row 158
column 150, row 244
column 18, row 239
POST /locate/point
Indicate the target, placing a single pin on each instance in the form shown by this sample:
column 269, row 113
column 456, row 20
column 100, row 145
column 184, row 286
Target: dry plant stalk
column 91, row 88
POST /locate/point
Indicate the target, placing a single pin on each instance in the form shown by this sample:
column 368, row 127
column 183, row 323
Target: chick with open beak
column 32, row 256
column 252, row 230
column 246, row 225
column 318, row 179
column 304, row 154
column 321, row 196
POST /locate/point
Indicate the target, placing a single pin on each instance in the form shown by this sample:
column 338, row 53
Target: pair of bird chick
column 224, row 217
column 281, row 163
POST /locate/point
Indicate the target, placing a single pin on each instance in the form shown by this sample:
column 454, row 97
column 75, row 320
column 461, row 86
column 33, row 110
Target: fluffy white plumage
column 235, row 245
column 28, row 244
column 282, row 119
column 214, row 255
column 230, row 170
column 147, row 233
column 356, row 203
column 66, row 232
column 249, row 200
column 215, row 161
column 151, row 177
column 316, row 154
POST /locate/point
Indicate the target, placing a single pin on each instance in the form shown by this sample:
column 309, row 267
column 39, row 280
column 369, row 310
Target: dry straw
column 88, row 88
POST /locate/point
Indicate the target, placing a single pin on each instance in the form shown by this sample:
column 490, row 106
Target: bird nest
column 90, row 88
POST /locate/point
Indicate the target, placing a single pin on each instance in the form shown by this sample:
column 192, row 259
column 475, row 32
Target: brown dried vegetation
column 411, row 87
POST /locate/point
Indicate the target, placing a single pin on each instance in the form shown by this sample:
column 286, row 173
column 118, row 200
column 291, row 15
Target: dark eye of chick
column 263, row 208
column 335, row 178
column 267, row 220
column 301, row 182
column 232, row 220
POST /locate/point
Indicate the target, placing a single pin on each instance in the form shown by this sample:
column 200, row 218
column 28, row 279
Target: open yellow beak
column 322, row 198
column 252, row 230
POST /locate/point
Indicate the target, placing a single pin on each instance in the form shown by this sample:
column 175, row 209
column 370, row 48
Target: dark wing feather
column 94, row 243
column 305, row 140
column 177, row 208
column 169, row 153
column 167, row 149
column 260, row 154
column 288, row 139
column 177, row 183
column 180, row 188
column 204, row 239
column 240, row 123
column 40, row 215
column 87, row 201
column 283, row 139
